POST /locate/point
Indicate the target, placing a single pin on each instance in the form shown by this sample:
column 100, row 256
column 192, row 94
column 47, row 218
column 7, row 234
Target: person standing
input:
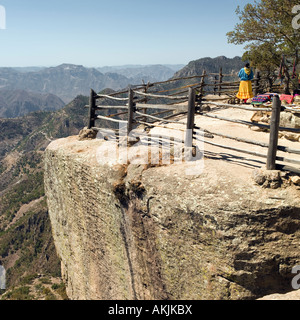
column 245, row 91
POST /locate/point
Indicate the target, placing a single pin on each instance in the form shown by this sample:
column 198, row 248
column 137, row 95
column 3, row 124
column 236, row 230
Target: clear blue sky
column 98, row 33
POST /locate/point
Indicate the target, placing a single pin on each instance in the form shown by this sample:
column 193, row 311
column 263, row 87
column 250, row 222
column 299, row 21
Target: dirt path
column 243, row 162
column 241, row 131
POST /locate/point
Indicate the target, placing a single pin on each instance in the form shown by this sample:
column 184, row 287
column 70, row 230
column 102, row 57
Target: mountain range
column 68, row 80
column 65, row 81
column 211, row 65
column 138, row 73
column 29, row 89
column 17, row 103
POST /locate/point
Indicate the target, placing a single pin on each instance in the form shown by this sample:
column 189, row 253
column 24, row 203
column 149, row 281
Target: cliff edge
column 138, row 232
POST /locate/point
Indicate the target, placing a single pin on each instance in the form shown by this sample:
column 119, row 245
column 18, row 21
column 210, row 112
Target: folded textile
column 262, row 98
column 286, row 97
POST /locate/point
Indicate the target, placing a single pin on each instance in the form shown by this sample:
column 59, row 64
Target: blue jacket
column 244, row 76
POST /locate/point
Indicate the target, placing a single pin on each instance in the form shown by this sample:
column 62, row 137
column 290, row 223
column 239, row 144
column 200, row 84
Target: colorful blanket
column 262, row 98
column 286, row 97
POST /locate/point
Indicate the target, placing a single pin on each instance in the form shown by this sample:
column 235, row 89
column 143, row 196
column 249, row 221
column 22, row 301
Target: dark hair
column 247, row 65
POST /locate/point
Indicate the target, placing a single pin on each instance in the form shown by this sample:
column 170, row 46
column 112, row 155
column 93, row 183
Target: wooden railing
column 138, row 110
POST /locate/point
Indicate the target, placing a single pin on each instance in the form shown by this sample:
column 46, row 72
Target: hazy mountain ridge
column 29, row 69
column 230, row 66
column 138, row 73
column 65, row 81
column 68, row 80
column 211, row 65
column 17, row 103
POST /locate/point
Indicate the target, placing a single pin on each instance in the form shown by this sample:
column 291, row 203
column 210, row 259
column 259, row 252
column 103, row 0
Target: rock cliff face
column 132, row 232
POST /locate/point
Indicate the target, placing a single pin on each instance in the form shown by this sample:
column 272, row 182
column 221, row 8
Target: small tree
column 264, row 57
column 266, row 29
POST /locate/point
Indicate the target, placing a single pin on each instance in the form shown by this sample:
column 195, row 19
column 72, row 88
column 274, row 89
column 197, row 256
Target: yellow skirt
column 245, row 91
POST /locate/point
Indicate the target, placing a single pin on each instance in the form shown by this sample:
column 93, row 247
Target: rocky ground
column 173, row 230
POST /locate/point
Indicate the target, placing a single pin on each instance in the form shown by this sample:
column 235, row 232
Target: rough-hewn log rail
column 253, row 142
column 195, row 99
column 247, row 123
column 110, row 119
column 110, row 97
column 158, row 119
column 155, row 113
column 160, row 96
column 261, row 155
column 239, row 106
column 161, row 106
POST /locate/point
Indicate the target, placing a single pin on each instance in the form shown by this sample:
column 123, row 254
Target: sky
column 97, row 33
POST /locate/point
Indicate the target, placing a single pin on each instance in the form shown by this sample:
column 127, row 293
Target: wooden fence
column 135, row 106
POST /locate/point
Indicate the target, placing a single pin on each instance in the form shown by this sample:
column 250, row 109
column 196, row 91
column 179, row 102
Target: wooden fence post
column 146, row 87
column 190, row 119
column 202, row 84
column 274, row 130
column 201, row 93
column 130, row 111
column 215, row 85
column 92, row 107
column 220, row 80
